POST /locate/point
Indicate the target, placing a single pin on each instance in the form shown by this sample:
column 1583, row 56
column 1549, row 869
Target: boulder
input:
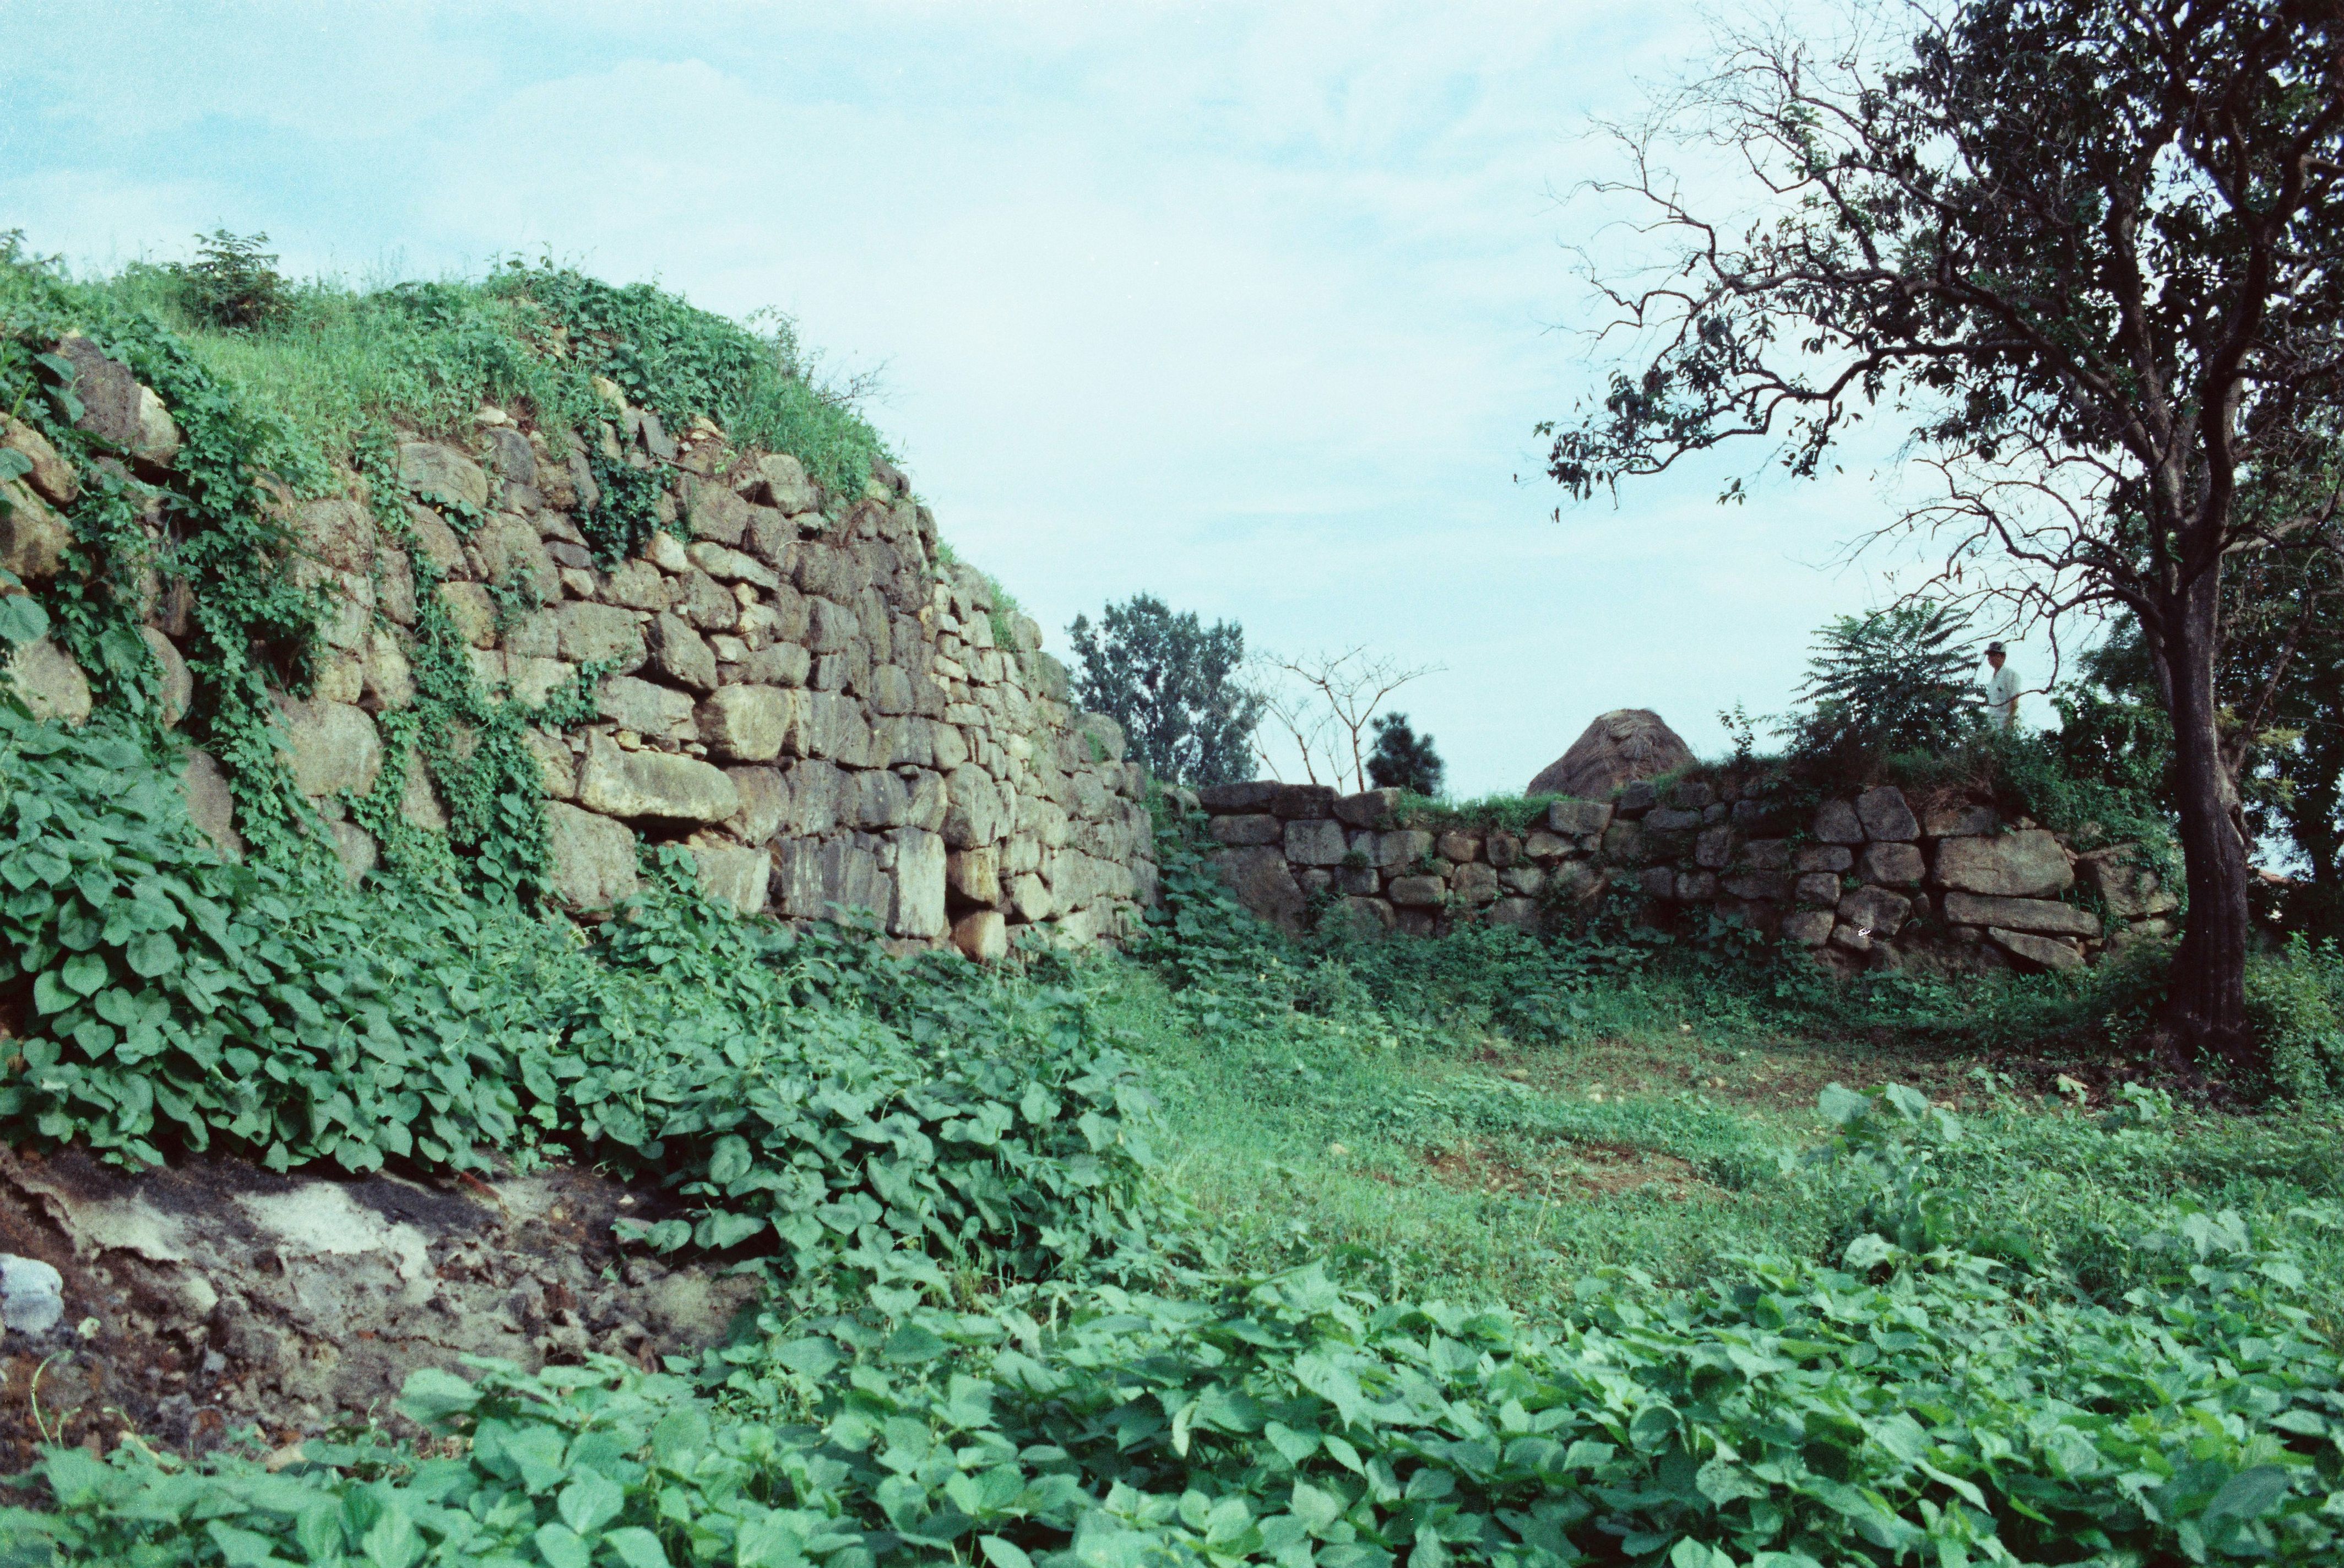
column 434, row 469
column 2029, row 864
column 472, row 613
column 1577, row 818
column 1621, row 746
column 974, row 876
column 329, row 746
column 1253, row 795
column 50, row 681
column 1818, row 887
column 1807, row 928
column 1876, row 911
column 1959, row 820
column 212, row 804
column 32, row 538
column 1369, row 809
column 2132, row 891
column 51, row 477
column 591, row 859
column 1823, row 857
column 1240, row 831
column 1758, row 887
column 355, row 847
column 779, row 480
column 1836, row 821
column 1884, row 814
column 1894, row 863
column 175, row 685
column 733, row 876
column 982, row 935
column 2043, row 952
column 918, row 908
column 604, row 633
column 116, row 409
column 1261, row 882
column 653, row 786
column 654, row 712
column 1315, row 843
column 2037, row 915
column 748, row 723
column 1474, row 885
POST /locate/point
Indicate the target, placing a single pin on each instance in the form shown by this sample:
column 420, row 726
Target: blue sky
column 1251, row 307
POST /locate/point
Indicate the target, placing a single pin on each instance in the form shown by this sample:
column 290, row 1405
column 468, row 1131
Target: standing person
column 2001, row 688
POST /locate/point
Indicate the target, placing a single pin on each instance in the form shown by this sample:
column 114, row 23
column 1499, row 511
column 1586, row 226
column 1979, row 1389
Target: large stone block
column 1885, row 816
column 1770, row 887
column 764, row 803
column 881, row 800
column 982, row 935
column 1836, row 821
column 50, row 681
column 1819, row 887
column 1893, row 863
column 2131, row 890
column 974, row 876
column 1824, row 857
column 748, row 723
column 1315, row 843
column 653, row 786
column 2041, row 952
column 679, row 655
column 1262, row 883
column 1713, row 847
column 1808, row 927
column 2041, row 914
column 1578, row 818
column 821, row 796
column 1395, row 850
column 1671, row 819
column 1247, row 830
column 654, row 712
column 329, row 746
column 1253, row 795
column 2029, row 864
column 1304, row 800
column 1623, row 842
column 1416, row 892
column 591, row 859
column 919, row 906
column 1960, row 820
column 780, row 481
column 1620, row 747
column 733, row 876
column 1367, row 809
column 726, row 564
column 433, row 469
column 32, row 538
column 1030, row 898
column 51, row 477
column 1876, row 911
column 975, row 811
column 509, row 550
column 116, row 409
column 212, row 804
column 601, row 634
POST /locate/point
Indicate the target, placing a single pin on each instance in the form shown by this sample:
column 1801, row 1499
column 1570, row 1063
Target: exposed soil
column 213, row 1296
column 1565, row 1171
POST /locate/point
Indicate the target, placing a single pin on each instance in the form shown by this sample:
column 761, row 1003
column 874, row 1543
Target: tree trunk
column 2206, row 995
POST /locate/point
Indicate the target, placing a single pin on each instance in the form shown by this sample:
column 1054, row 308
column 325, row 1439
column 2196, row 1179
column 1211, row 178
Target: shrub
column 232, row 284
column 1170, row 681
column 1402, row 759
column 1897, row 679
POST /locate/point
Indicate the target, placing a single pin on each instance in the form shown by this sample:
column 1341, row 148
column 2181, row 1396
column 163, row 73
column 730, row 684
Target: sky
column 1250, row 307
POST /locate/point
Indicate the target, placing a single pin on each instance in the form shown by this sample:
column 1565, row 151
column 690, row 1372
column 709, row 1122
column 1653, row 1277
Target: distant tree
column 1403, row 759
column 2082, row 254
column 232, row 282
column 1170, row 680
column 1324, row 704
column 1897, row 679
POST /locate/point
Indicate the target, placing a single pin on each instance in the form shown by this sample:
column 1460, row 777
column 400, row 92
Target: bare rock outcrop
column 1621, row 747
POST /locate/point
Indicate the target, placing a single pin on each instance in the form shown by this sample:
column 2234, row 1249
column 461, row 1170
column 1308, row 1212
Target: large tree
column 1171, row 682
column 2083, row 254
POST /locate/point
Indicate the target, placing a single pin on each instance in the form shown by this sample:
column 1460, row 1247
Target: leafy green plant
column 1897, row 680
column 1402, row 759
column 232, row 284
column 1171, row 682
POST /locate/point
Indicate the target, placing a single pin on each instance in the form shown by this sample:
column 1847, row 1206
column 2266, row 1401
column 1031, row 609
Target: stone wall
column 819, row 706
column 1869, row 880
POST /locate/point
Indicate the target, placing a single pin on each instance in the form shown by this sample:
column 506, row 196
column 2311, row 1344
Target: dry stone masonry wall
column 1862, row 880
column 818, row 706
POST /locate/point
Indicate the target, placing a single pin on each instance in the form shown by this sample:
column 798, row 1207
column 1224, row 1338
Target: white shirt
column 2002, row 697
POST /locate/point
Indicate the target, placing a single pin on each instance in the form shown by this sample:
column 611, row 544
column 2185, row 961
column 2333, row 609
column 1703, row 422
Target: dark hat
column 1996, row 648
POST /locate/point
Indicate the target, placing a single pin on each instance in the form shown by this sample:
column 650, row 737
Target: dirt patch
column 208, row 1297
column 1785, row 1079
column 1566, row 1171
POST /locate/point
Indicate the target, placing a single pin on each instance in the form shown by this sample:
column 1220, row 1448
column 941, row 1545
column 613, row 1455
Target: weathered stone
column 679, row 653
column 1302, row 801
column 652, row 785
column 1416, row 892
column 1657, row 882
column 1578, row 818
column 1030, row 898
column 1474, row 885
column 1254, row 796
column 432, row 468
column 779, row 480
column 51, row 477
column 732, row 876
column 654, row 712
column 748, row 723
column 116, row 409
column 2043, row 914
column 1808, row 927
column 1765, row 855
column 1875, row 910
column 471, row 611
column 1623, row 842
column 388, row 683
column 355, row 847
column 982, row 935
column 1247, row 830
column 784, row 665
column 636, row 585
column 34, row 539
column 1854, row 938
column 1893, row 863
column 591, row 859
column 1621, row 746
column 715, row 513
column 918, row 910
column 2131, row 890
column 1457, row 846
column 2043, row 952
column 557, row 770
column 974, row 876
column 820, row 798
column 1713, row 848
column 2028, row 863
column 1261, row 882
column 764, row 803
column 329, row 746
column 1885, row 816
column 601, row 634
column 535, row 680
column 1773, row 887
column 1817, row 887
column 1106, row 742
column 726, row 564
column 508, row 552
column 829, row 626
column 212, row 804
column 420, row 805
column 1540, row 845
column 1836, row 821
column 50, row 681
column 1400, row 847
column 706, row 602
column 1960, row 821
column 881, row 800
column 1636, row 798
column 1824, row 857
column 1369, row 809
column 1695, row 886
column 975, row 813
